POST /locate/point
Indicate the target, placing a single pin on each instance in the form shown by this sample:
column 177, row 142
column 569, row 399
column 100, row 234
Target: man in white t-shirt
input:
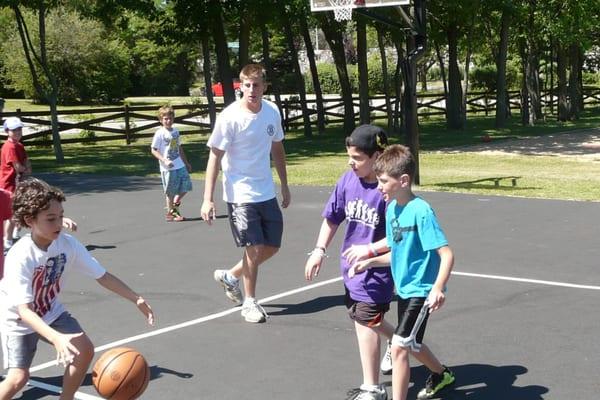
column 37, row 267
column 247, row 134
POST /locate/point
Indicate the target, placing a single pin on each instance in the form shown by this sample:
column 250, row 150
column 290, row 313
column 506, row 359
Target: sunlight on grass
column 320, row 160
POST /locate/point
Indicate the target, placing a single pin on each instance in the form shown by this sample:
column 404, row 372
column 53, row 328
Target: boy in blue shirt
column 421, row 263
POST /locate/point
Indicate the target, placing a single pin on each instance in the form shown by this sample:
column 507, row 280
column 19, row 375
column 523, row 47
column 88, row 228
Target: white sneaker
column 373, row 394
column 253, row 312
column 7, row 244
column 386, row 361
column 232, row 291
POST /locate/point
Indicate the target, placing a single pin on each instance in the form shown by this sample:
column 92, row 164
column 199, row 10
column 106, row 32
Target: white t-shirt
column 246, row 138
column 167, row 142
column 32, row 275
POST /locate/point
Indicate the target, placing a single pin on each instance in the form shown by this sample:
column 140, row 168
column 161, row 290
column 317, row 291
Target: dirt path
column 582, row 144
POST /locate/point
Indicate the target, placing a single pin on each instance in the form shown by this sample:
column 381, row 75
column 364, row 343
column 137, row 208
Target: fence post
column 127, row 138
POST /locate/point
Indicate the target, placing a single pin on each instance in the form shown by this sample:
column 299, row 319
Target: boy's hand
column 69, row 224
column 435, row 299
column 313, row 266
column 356, row 253
column 145, row 309
column 65, row 350
column 358, row 267
column 208, row 212
column 286, row 197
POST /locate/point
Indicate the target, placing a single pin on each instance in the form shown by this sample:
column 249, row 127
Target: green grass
column 321, row 159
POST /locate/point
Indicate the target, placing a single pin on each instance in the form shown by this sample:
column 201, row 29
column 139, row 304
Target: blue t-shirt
column 361, row 205
column 414, row 235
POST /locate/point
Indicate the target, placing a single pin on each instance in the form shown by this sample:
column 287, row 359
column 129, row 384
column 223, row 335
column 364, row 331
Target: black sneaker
column 435, row 383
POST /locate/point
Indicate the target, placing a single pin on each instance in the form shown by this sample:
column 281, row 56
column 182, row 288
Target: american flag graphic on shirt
column 46, row 283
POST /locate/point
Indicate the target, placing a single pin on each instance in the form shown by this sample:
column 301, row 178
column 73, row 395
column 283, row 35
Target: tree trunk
column 244, row 39
column 532, row 70
column 42, row 60
column 454, row 106
column 310, row 55
column 221, row 51
column 524, row 92
column 398, row 84
column 333, row 34
column 386, row 79
column 212, row 111
column 438, row 53
column 363, row 70
column 501, row 98
column 574, row 89
column 561, row 73
column 287, row 26
column 269, row 67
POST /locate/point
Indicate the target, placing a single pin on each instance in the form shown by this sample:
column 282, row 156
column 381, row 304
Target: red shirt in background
column 11, row 153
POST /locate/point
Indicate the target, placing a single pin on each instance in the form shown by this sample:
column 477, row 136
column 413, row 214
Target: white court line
column 525, row 280
column 83, row 396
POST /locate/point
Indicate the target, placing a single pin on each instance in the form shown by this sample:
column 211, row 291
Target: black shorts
column 367, row 314
column 256, row 223
column 412, row 320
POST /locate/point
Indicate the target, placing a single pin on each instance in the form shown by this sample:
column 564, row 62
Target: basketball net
column 342, row 9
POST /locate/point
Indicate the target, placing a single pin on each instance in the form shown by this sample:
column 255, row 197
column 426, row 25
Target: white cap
column 12, row 123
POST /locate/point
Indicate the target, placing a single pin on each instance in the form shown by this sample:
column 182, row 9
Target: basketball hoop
column 342, row 9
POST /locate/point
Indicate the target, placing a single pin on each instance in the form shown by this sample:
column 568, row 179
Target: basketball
column 121, row 374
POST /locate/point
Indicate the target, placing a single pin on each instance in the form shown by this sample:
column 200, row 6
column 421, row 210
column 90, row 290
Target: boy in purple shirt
column 356, row 200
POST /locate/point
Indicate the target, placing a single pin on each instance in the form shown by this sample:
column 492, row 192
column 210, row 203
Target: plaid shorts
column 176, row 181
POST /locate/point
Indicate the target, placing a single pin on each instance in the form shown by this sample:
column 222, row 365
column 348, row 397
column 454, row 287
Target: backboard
column 328, row 5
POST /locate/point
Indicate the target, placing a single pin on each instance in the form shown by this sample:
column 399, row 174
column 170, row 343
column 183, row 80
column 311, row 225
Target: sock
column 249, row 300
column 370, row 388
column 231, row 279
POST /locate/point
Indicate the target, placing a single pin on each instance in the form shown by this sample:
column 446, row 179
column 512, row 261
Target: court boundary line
column 84, row 396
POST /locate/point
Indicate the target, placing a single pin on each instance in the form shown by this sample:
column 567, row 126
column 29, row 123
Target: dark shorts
column 19, row 350
column 367, row 314
column 256, row 223
column 412, row 320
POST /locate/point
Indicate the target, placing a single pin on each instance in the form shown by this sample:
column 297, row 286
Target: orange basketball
column 121, row 374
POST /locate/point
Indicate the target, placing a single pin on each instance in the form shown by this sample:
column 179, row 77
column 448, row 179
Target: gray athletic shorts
column 256, row 223
column 19, row 350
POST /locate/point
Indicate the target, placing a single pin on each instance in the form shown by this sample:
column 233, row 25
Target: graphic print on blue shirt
column 46, row 283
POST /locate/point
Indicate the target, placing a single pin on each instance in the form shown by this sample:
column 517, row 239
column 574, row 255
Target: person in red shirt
column 14, row 164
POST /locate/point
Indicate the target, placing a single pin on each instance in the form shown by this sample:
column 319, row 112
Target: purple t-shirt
column 361, row 205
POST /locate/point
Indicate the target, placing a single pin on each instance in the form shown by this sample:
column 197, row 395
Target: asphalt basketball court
column 520, row 322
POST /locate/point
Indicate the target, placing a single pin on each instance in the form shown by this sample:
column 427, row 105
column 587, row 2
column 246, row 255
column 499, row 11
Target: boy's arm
column 278, row 153
column 61, row 342
column 168, row 163
column 374, row 262
column 436, row 296
column 359, row 252
column 208, row 210
column 117, row 286
column 313, row 264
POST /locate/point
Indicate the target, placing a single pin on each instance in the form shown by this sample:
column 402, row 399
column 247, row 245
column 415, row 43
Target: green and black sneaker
column 435, row 383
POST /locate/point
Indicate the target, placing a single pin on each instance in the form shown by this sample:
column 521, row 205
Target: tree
column 333, row 31
column 37, row 61
column 89, row 64
column 363, row 70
